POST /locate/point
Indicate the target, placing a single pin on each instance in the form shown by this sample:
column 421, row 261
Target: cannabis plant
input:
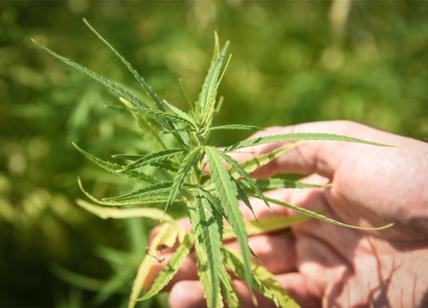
column 175, row 172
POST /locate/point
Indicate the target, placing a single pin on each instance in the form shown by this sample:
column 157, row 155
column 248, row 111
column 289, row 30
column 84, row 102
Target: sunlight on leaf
column 105, row 212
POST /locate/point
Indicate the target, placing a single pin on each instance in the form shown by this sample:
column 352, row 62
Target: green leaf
column 115, row 168
column 179, row 130
column 152, row 158
column 216, row 206
column 165, row 237
column 161, row 189
column 134, row 72
column 149, row 131
column 226, row 191
column 240, row 170
column 140, row 279
column 244, row 197
column 229, row 294
column 180, row 113
column 158, row 115
column 170, row 268
column 234, row 127
column 266, row 224
column 186, row 96
column 142, row 82
column 210, row 85
column 276, row 183
column 208, row 250
column 105, row 212
column 167, row 164
column 256, row 162
column 145, row 200
column 218, row 105
column 189, row 160
column 216, row 51
column 147, row 127
column 111, row 85
column 323, row 217
column 208, row 93
column 264, row 282
column 128, row 156
column 299, row 137
column 215, row 105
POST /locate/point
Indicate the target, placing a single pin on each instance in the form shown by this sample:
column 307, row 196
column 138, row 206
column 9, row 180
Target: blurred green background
column 293, row 61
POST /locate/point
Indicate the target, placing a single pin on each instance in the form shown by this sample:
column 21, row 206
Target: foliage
column 209, row 202
column 290, row 67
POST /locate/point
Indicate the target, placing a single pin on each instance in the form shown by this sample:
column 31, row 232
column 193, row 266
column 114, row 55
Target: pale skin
column 330, row 266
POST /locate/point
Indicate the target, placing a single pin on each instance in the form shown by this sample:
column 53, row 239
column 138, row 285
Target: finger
column 275, row 252
column 244, row 296
column 304, row 290
column 321, row 157
column 187, row 294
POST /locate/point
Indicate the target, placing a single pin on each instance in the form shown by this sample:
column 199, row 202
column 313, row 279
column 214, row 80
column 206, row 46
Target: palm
column 348, row 267
column 328, row 257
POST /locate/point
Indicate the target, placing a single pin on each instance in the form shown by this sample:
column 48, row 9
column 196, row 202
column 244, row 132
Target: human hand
column 330, row 265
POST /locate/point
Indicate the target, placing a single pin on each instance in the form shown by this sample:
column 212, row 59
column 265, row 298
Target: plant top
column 173, row 172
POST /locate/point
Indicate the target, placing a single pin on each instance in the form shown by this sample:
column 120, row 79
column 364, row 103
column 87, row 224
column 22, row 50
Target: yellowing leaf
column 165, row 237
column 208, row 249
column 229, row 293
column 170, row 268
column 145, row 200
column 264, row 282
column 108, row 212
column 111, row 85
